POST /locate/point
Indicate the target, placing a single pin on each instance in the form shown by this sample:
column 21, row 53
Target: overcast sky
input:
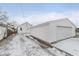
column 39, row 13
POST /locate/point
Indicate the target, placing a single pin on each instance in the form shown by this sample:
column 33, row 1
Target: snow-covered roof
column 57, row 20
column 24, row 23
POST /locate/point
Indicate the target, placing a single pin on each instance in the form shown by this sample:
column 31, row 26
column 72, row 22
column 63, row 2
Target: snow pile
column 70, row 45
column 19, row 45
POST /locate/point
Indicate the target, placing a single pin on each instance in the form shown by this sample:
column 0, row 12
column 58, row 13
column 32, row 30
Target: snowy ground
column 19, row 45
column 70, row 45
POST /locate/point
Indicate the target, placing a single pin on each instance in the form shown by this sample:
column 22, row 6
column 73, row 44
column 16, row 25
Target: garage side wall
column 41, row 32
column 52, row 32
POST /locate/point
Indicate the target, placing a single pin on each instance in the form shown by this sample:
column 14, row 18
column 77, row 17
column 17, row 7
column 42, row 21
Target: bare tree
column 3, row 15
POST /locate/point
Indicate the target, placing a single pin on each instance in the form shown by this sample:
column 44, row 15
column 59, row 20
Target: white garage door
column 63, row 32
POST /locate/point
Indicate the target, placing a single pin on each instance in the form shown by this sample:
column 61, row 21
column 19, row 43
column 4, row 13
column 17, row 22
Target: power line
column 22, row 11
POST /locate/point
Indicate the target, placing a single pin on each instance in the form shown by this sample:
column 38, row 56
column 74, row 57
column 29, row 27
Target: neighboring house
column 23, row 28
column 3, row 29
column 6, row 29
column 3, row 32
column 54, row 30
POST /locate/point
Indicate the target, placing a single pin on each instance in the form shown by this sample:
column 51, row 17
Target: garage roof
column 45, row 23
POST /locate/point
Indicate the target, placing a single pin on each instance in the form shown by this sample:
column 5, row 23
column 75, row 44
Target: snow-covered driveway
column 19, row 45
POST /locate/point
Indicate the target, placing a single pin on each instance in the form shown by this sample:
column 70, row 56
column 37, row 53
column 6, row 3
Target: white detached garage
column 54, row 30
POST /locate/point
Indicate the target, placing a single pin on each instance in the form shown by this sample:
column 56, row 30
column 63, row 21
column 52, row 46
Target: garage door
column 63, row 32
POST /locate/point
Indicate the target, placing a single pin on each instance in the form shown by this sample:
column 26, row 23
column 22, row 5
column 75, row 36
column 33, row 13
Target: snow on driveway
column 19, row 45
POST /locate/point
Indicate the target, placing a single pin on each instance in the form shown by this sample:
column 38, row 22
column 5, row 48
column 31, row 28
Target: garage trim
column 64, row 26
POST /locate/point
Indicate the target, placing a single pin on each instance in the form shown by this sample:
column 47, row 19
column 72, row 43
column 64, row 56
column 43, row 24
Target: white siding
column 41, row 32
